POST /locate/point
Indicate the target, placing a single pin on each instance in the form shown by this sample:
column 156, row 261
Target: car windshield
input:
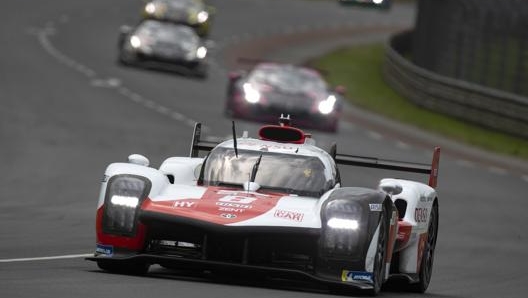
column 288, row 78
column 167, row 32
column 184, row 4
column 289, row 173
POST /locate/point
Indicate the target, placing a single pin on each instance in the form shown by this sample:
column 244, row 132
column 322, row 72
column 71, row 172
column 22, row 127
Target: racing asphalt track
column 67, row 110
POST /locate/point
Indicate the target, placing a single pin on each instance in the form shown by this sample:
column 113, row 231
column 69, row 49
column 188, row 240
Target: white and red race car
column 273, row 205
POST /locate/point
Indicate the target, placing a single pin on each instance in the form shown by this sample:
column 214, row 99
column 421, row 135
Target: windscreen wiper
column 255, row 169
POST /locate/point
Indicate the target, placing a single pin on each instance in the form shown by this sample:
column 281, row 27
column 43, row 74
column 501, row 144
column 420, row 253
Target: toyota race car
column 163, row 45
column 273, row 88
column 194, row 13
column 272, row 205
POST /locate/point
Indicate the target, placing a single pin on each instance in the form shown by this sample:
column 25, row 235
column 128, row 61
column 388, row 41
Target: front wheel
column 378, row 275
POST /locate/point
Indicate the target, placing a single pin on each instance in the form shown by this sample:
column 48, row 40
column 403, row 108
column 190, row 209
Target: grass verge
column 358, row 68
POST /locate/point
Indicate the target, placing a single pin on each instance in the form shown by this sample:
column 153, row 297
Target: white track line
column 46, row 258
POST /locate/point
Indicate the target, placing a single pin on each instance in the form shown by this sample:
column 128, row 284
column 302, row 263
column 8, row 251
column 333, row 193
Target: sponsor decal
column 229, row 209
column 295, row 216
column 107, row 250
column 426, row 199
column 347, row 275
column 183, row 204
column 228, row 215
column 375, row 207
column 421, row 214
column 240, row 193
column 237, row 199
column 233, row 205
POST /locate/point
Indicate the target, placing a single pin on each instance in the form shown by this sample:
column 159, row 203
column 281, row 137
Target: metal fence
column 479, row 41
column 488, row 107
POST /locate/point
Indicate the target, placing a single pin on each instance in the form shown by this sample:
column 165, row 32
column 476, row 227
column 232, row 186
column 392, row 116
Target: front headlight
column 150, row 8
column 124, row 195
column 341, row 219
column 135, row 41
column 202, row 16
column 201, row 52
column 251, row 94
column 327, row 106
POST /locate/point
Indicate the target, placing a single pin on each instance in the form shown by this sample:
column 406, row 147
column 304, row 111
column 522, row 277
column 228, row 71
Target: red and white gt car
column 272, row 205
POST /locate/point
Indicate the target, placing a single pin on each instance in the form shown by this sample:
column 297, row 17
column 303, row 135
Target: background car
column 270, row 89
column 163, row 45
column 273, row 205
column 194, row 13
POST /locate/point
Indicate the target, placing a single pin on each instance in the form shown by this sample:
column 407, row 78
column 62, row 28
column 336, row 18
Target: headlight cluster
column 124, row 195
column 327, row 106
column 342, row 226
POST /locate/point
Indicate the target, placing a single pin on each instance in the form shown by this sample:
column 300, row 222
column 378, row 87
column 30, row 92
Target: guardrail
column 470, row 102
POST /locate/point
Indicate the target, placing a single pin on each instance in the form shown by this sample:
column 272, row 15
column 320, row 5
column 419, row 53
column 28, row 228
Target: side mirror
column 209, row 44
column 236, row 75
column 125, row 29
column 340, row 89
column 138, row 159
column 390, row 186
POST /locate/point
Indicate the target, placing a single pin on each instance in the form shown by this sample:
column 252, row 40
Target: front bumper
column 303, row 118
column 286, row 252
column 208, row 265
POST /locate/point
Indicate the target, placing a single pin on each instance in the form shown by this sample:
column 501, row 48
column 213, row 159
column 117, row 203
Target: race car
column 383, row 4
column 273, row 88
column 163, row 45
column 271, row 206
column 194, row 13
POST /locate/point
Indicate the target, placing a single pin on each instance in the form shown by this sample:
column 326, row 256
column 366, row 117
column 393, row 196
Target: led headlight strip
column 124, row 195
column 342, row 226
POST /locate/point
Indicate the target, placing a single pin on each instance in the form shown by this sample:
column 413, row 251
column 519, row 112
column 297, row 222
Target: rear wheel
column 132, row 268
column 426, row 266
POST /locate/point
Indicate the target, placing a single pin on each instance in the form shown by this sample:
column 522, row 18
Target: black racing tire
column 131, row 268
column 126, row 58
column 381, row 254
column 426, row 266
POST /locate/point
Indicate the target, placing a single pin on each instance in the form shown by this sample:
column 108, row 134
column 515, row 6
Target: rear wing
column 198, row 145
column 372, row 162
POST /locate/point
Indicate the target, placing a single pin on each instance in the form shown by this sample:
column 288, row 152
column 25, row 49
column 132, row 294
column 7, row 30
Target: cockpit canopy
column 282, row 172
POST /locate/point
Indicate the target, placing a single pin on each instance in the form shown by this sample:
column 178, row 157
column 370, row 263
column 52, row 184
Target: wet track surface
column 67, row 110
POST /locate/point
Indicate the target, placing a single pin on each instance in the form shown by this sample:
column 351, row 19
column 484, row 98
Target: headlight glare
column 135, row 42
column 201, row 52
column 250, row 93
column 150, row 8
column 342, row 223
column 202, row 16
column 124, row 201
column 327, row 106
